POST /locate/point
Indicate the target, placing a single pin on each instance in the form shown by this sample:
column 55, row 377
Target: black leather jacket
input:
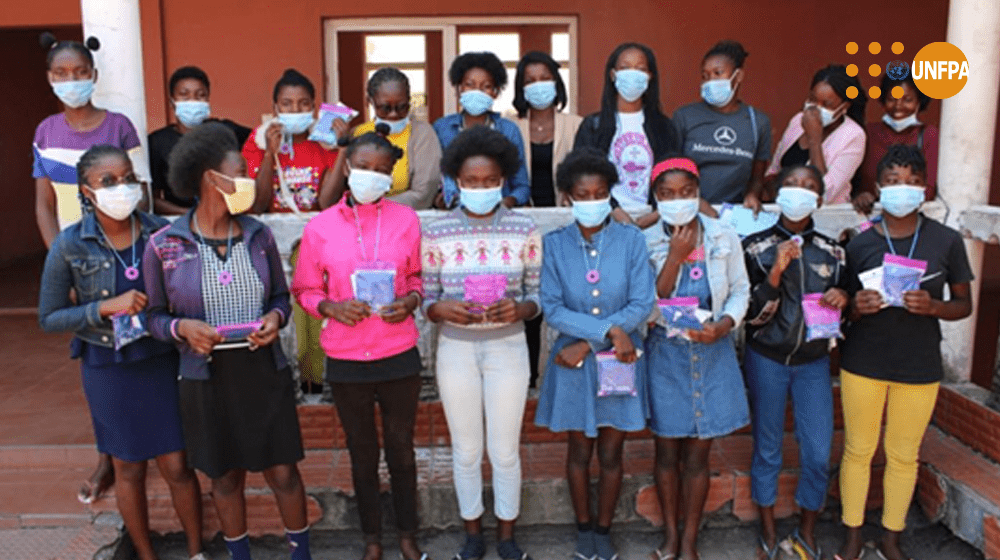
column 775, row 323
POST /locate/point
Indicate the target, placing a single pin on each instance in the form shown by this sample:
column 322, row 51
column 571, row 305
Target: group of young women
column 209, row 388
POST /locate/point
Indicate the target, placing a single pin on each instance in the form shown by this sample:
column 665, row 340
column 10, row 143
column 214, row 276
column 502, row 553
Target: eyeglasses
column 399, row 108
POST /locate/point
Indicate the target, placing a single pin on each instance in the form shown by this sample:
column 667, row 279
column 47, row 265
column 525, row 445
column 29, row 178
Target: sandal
column 772, row 551
column 881, row 554
column 578, row 556
column 423, row 556
column 802, row 549
column 659, row 555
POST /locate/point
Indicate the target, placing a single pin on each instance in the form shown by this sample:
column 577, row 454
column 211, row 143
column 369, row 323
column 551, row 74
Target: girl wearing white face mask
column 282, row 145
column 728, row 139
column 61, row 138
column 130, row 385
column 828, row 133
column 789, row 264
column 695, row 385
column 366, row 291
column 416, row 176
column 901, row 124
column 630, row 128
column 189, row 97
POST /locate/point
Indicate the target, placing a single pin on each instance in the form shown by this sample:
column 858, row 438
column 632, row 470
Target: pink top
column 330, row 253
column 843, row 151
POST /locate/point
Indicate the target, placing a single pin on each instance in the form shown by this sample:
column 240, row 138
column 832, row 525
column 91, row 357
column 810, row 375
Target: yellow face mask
column 242, row 198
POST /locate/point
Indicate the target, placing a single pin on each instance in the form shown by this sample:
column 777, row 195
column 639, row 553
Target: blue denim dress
column 579, row 310
column 695, row 390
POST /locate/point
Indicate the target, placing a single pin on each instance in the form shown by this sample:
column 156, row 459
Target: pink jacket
column 843, row 151
column 329, row 254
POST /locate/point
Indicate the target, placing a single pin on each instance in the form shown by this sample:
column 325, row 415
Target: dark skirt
column 134, row 407
column 243, row 416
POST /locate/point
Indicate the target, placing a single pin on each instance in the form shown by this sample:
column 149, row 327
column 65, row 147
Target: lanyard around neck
column 378, row 232
column 913, row 243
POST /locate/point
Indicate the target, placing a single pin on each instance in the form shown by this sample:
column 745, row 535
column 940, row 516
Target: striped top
column 457, row 246
column 57, row 147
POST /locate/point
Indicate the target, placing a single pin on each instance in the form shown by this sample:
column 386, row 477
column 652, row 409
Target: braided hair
column 54, row 46
column 384, row 76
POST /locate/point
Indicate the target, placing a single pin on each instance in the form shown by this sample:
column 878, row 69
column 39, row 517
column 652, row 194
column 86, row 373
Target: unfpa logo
column 940, row 70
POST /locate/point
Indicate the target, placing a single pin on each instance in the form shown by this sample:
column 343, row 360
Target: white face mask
column 117, row 202
column 368, row 186
column 826, row 116
column 899, row 125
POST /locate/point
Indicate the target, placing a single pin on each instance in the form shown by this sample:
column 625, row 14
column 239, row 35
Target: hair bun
column 291, row 73
column 47, row 40
column 382, row 129
column 92, row 43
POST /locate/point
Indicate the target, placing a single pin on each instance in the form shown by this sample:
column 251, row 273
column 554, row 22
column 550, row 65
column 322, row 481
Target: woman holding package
column 597, row 289
column 481, row 267
column 891, row 357
column 796, row 297
column 695, row 384
column 217, row 291
column 359, row 269
column 129, row 379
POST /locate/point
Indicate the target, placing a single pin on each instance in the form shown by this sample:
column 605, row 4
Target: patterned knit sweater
column 457, row 246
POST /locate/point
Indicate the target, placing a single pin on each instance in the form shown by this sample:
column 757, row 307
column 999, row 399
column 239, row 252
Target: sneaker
column 508, row 550
column 473, row 549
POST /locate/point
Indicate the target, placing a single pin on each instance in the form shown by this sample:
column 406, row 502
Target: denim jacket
column 727, row 272
column 81, row 259
column 172, row 269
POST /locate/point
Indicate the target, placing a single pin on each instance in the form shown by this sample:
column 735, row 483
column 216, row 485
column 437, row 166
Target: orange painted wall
column 245, row 44
column 40, row 14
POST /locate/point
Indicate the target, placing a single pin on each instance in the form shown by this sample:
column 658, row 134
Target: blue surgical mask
column 191, row 113
column 797, row 203
column 475, row 102
column 74, row 94
column 631, row 83
column 719, row 92
column 540, row 95
column 899, row 125
column 395, row 127
column 591, row 213
column 679, row 211
column 901, row 200
column 480, row 201
column 296, row 123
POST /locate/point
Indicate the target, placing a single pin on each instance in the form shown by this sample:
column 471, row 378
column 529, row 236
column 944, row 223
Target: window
column 423, row 48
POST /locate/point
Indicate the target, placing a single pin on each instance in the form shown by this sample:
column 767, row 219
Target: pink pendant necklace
column 131, row 272
column 225, row 277
column 593, row 274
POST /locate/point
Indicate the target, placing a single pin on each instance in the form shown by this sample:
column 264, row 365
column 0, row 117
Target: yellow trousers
column 908, row 412
column 307, row 330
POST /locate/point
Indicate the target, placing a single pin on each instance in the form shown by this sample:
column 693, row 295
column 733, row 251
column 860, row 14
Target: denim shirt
column 81, row 259
column 518, row 186
column 172, row 269
column 727, row 271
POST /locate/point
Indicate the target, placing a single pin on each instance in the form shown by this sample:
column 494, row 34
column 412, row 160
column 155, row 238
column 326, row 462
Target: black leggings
column 397, row 401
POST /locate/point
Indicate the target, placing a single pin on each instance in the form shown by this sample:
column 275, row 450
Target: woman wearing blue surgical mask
column 891, row 357
column 189, row 98
column 481, row 266
column 788, row 353
column 828, row 133
column 694, row 382
column 416, row 176
column 539, row 98
column 129, row 380
column 478, row 78
column 597, row 289
column 900, row 124
column 60, row 139
column 728, row 139
column 290, row 170
column 630, row 129
column 59, row 142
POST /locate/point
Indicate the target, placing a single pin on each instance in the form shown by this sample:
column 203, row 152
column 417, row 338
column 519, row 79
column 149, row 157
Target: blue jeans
column 812, row 402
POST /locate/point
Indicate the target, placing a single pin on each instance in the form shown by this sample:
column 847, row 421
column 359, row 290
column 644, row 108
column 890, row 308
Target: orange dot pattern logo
column 940, row 70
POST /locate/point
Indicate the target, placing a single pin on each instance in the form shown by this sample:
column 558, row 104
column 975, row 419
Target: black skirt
column 243, row 416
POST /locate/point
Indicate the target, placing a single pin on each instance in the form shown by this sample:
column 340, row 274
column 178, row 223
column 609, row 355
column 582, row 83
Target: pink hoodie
column 329, row 254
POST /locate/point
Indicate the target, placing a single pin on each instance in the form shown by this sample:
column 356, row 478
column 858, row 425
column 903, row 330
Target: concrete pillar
column 967, row 127
column 120, row 85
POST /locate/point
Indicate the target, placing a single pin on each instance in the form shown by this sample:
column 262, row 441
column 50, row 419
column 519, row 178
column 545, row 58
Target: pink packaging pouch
column 899, row 275
column 128, row 328
column 485, row 290
column 323, row 131
column 614, row 378
column 237, row 332
column 821, row 321
column 679, row 314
